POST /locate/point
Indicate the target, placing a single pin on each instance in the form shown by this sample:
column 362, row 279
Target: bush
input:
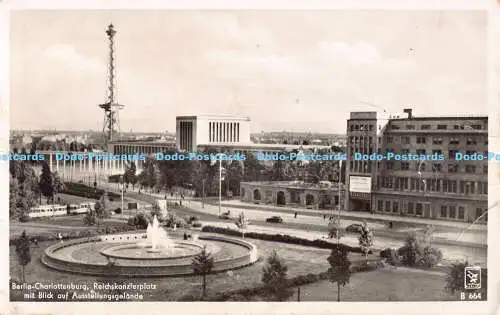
column 196, row 224
column 140, row 221
column 173, row 220
column 366, row 266
column 431, row 257
column 415, row 255
column 89, row 218
column 391, row 256
column 24, row 218
column 282, row 239
column 81, row 190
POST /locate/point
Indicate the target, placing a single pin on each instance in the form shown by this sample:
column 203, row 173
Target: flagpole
column 338, row 213
column 220, row 184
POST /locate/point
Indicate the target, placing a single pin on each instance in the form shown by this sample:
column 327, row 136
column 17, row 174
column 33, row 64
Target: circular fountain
column 154, row 253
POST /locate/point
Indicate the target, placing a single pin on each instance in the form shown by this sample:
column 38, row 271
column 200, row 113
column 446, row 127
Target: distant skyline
column 301, row 71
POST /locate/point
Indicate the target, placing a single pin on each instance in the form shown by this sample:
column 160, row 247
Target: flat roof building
column 193, row 131
column 445, row 188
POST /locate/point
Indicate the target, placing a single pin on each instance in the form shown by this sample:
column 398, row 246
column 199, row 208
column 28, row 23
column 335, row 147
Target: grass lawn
column 56, row 224
column 300, row 260
column 386, row 284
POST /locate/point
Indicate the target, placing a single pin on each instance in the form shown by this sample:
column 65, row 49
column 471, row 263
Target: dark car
column 275, row 219
column 355, row 228
column 225, row 216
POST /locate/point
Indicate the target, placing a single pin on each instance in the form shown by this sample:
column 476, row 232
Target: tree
column 411, row 251
column 129, row 176
column 428, row 235
column 252, row 168
column 90, row 218
column 14, row 194
column 24, row 188
column 417, row 252
column 157, row 211
column 57, row 184
column 242, row 223
column 202, row 265
column 23, row 253
column 234, row 176
column 366, row 240
column 334, row 229
column 100, row 209
column 455, row 277
column 46, row 186
column 275, row 279
column 278, row 171
column 340, row 268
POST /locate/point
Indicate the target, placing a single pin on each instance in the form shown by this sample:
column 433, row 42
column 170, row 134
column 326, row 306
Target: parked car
column 354, row 228
column 225, row 216
column 275, row 219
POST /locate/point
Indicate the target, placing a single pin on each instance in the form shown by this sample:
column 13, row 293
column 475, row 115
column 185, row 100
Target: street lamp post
column 219, row 155
column 338, row 212
column 122, row 182
column 203, row 193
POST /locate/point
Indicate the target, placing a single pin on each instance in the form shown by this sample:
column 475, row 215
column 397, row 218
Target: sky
column 286, row 70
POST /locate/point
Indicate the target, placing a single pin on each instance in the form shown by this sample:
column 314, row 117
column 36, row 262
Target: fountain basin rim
column 107, row 252
column 63, row 264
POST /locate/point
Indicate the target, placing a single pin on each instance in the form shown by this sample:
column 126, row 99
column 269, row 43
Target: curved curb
column 51, row 260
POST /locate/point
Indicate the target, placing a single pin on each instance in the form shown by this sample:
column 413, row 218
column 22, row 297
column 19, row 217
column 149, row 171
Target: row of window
column 433, row 185
column 407, row 140
column 436, row 140
column 417, row 209
column 223, row 132
column 362, row 127
column 366, row 167
column 130, row 149
column 440, row 127
column 185, row 134
column 436, row 167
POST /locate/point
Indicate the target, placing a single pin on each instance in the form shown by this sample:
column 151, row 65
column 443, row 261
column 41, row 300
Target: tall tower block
column 111, row 108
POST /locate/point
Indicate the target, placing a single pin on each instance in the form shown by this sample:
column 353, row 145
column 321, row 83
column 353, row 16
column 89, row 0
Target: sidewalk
column 359, row 215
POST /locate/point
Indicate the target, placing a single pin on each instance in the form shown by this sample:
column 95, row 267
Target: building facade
column 192, row 131
column 447, row 189
column 138, row 146
column 293, row 193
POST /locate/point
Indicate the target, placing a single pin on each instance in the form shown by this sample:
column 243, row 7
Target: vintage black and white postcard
column 268, row 156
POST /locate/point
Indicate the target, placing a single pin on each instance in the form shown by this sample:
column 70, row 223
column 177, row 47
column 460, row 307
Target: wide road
column 319, row 226
column 318, row 222
column 314, row 228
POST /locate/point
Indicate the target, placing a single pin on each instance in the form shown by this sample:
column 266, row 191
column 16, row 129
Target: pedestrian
column 185, row 236
column 36, row 242
column 324, row 217
column 295, row 214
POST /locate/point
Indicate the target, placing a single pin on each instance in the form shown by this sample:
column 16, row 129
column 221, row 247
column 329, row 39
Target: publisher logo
column 472, row 276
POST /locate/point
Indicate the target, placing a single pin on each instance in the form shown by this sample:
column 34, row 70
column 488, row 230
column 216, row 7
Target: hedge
column 81, row 190
column 282, row 238
column 77, row 234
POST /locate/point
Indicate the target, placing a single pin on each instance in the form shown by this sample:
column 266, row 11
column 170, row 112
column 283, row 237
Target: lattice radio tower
column 111, row 108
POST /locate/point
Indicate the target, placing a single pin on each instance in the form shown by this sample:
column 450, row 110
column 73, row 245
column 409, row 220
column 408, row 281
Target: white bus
column 81, row 208
column 47, row 211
